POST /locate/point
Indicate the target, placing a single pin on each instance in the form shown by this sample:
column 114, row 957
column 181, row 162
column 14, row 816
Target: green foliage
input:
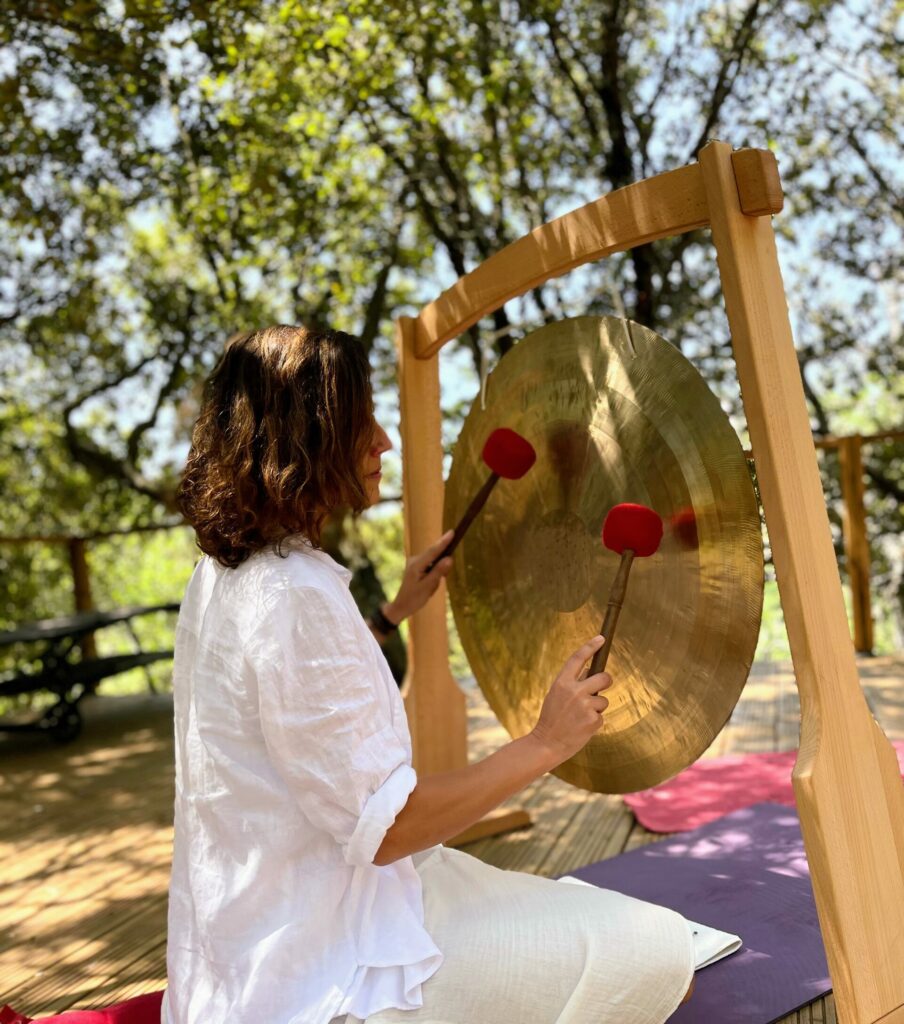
column 44, row 490
column 149, row 568
column 172, row 172
column 138, row 569
column 773, row 640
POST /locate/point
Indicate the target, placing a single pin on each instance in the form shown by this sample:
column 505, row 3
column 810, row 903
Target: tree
column 172, row 171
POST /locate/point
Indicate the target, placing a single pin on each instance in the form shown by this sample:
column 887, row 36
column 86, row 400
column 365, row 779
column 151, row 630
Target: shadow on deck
column 87, row 830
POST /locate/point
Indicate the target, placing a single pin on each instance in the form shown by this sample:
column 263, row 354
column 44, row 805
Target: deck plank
column 86, row 835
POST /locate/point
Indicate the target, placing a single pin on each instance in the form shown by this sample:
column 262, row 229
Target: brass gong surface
column 616, row 414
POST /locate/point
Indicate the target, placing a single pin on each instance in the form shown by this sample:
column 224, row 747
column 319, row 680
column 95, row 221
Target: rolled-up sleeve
column 327, row 722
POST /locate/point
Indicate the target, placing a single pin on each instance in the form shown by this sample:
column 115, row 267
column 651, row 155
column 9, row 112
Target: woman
column 309, row 882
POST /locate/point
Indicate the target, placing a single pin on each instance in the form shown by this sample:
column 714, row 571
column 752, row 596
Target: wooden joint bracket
column 759, row 185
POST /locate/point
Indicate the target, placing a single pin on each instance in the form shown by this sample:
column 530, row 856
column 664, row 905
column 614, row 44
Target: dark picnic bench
column 67, row 677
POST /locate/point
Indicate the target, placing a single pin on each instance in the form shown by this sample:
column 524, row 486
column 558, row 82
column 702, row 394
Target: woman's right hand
column 572, row 710
column 446, row 803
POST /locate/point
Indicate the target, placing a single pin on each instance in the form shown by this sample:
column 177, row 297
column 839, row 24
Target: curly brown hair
column 285, row 424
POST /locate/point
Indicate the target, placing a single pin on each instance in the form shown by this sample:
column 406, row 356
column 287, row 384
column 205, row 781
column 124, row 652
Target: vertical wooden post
column 856, row 545
column 846, row 780
column 81, row 583
column 434, row 702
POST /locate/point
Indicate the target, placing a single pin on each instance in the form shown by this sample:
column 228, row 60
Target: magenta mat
column 716, row 786
column 746, row 874
column 138, row 1010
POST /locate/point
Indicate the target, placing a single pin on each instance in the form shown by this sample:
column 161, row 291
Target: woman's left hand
column 417, row 586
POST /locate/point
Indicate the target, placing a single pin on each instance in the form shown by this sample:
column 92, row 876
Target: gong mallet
column 508, row 455
column 632, row 531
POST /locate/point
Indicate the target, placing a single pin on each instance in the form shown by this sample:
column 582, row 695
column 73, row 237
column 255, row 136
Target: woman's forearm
column 441, row 806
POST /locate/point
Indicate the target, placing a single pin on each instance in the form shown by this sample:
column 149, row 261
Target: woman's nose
column 382, row 442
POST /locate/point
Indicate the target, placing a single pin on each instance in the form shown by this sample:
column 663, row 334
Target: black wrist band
column 381, row 622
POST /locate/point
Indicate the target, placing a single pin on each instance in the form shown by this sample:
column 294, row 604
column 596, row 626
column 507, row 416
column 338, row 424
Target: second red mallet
column 632, row 531
column 508, row 455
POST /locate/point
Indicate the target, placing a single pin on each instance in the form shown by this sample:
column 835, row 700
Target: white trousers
column 536, row 951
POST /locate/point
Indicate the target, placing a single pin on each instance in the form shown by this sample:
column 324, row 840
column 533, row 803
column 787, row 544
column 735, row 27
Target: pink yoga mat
column 716, row 786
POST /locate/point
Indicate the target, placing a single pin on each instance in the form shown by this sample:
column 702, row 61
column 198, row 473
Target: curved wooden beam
column 667, row 204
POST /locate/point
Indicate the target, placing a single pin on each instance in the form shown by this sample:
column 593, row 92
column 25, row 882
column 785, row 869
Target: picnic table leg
column 81, row 582
column 147, row 671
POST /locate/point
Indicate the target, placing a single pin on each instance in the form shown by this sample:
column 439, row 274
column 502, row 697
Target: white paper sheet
column 711, row 945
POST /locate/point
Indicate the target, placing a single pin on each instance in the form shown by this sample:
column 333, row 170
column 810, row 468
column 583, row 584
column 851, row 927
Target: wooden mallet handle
column 507, row 455
column 632, row 531
column 613, row 607
column 479, row 500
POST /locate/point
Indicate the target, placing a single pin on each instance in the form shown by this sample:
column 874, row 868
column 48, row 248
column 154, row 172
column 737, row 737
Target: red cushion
column 140, row 1010
column 9, row 1016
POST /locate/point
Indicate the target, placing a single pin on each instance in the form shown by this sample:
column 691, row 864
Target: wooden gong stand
column 846, row 779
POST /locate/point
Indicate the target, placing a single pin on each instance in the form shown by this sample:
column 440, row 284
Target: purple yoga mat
column 746, row 873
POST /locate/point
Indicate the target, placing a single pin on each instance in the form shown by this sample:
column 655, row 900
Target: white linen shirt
column 293, row 758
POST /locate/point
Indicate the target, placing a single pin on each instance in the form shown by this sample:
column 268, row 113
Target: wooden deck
column 86, row 836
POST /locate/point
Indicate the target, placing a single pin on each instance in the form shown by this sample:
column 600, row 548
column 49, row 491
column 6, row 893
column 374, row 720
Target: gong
column 616, row 414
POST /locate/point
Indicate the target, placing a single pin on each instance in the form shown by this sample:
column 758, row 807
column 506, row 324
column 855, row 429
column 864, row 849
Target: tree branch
column 804, row 355
column 619, row 169
column 110, row 382
column 856, row 145
column 377, row 304
column 583, row 102
column 175, row 378
column 106, row 466
column 886, row 486
column 728, row 72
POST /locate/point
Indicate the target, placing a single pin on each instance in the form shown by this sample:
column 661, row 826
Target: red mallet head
column 684, row 527
column 508, row 454
column 509, row 457
column 632, row 528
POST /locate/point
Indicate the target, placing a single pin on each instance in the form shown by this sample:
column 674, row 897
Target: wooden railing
column 83, row 599
column 853, row 522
